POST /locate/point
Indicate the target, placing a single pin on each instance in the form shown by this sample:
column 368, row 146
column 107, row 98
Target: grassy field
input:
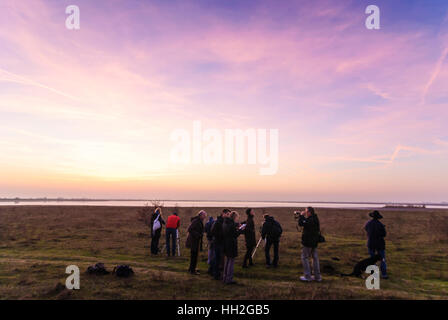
column 38, row 242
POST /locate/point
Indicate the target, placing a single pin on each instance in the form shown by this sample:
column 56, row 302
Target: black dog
column 362, row 265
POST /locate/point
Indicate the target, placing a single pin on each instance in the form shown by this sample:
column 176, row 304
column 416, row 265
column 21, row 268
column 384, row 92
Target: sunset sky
column 362, row 114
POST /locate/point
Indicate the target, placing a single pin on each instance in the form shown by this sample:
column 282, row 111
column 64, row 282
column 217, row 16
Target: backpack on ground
column 97, row 269
column 123, row 271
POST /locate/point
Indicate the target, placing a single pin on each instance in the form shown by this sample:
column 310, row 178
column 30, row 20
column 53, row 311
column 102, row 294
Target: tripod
column 177, row 244
column 255, row 250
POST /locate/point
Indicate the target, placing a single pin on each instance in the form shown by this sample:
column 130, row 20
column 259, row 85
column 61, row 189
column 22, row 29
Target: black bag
column 123, row 271
column 321, row 238
column 97, row 269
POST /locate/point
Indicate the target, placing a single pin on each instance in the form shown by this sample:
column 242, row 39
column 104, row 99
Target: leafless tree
column 144, row 214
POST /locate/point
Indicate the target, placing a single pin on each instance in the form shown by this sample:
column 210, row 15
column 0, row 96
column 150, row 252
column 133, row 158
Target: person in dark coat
column 211, row 249
column 249, row 234
column 218, row 244
column 195, row 232
column 310, row 238
column 155, row 234
column 271, row 232
column 231, row 230
column 376, row 232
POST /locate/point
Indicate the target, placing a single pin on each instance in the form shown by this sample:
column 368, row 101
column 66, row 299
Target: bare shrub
column 144, row 214
column 157, row 204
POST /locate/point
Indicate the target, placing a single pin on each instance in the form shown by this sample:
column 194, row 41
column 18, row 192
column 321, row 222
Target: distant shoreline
column 222, row 203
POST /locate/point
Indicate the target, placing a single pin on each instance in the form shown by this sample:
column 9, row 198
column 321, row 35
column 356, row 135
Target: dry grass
column 38, row 242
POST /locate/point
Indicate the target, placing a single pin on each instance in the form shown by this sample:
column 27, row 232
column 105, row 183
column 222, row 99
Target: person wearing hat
column 376, row 232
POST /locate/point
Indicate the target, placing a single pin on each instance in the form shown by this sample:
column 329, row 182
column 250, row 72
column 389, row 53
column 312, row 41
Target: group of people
column 222, row 239
column 222, row 236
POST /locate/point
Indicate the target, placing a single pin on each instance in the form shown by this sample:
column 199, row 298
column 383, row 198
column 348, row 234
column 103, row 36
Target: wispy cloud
column 15, row 78
column 400, row 151
column 434, row 74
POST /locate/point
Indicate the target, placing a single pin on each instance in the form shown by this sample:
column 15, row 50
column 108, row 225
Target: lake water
column 203, row 204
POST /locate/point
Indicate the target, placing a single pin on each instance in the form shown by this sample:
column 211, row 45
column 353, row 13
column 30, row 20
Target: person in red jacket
column 172, row 226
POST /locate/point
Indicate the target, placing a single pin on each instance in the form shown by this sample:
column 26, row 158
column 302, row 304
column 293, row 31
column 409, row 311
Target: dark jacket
column 249, row 232
column 195, row 232
column 268, row 232
column 311, row 229
column 231, row 233
column 153, row 219
column 376, row 231
column 208, row 229
column 217, row 232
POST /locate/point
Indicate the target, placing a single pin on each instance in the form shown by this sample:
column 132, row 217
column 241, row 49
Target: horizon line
column 60, row 199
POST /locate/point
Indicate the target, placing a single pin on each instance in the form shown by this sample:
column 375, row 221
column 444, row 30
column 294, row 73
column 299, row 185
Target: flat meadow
column 37, row 243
